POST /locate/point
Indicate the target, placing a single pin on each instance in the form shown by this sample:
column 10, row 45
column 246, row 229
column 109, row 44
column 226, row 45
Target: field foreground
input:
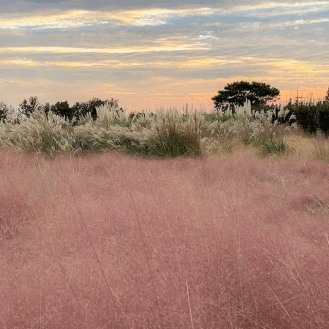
column 112, row 241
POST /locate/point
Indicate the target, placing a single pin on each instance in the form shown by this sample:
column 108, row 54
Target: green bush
column 323, row 117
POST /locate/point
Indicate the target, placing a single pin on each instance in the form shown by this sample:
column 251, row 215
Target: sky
column 158, row 54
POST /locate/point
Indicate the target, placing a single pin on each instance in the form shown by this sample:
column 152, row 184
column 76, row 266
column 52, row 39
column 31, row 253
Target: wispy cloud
column 180, row 53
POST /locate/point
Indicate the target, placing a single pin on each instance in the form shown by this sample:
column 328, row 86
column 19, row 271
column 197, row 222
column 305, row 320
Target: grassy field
column 163, row 223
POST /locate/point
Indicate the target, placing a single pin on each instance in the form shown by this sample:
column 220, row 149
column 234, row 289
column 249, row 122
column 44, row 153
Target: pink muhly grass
column 112, row 241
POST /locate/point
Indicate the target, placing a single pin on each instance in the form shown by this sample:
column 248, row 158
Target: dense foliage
column 236, row 93
column 78, row 110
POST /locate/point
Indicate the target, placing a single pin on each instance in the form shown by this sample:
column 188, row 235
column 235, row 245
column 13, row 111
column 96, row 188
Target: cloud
column 168, row 50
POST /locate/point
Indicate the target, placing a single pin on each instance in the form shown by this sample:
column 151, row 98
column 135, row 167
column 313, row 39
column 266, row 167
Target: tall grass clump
column 251, row 128
column 160, row 135
column 37, row 133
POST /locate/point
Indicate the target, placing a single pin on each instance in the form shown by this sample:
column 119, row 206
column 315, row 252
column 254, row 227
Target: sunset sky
column 151, row 54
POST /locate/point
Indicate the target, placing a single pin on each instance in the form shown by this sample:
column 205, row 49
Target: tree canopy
column 237, row 92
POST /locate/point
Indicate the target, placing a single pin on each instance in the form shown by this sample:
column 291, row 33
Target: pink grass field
column 111, row 241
